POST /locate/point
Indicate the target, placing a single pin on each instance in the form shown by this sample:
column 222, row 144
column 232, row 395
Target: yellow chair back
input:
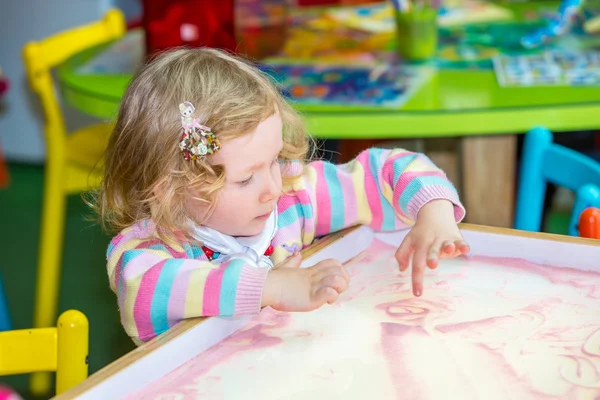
column 71, row 157
column 40, row 57
column 62, row 349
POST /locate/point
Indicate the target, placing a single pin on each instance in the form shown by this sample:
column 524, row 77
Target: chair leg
column 532, row 186
column 49, row 261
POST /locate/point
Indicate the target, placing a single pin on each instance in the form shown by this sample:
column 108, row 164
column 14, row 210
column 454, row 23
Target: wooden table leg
column 349, row 148
column 488, row 179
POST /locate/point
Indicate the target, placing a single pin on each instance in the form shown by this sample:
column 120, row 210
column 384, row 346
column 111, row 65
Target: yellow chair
column 63, row 349
column 73, row 160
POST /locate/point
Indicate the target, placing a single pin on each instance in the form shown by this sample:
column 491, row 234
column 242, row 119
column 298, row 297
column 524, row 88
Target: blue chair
column 5, row 324
column 546, row 162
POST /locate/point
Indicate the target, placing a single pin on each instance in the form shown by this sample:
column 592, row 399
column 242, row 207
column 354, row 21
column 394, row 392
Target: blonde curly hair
column 146, row 175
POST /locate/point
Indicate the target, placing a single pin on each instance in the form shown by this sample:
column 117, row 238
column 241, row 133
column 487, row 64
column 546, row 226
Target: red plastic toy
column 195, row 23
column 3, row 172
column 3, row 84
column 3, row 169
column 589, row 223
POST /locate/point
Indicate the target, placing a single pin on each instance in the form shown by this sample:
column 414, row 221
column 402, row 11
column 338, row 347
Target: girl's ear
column 159, row 188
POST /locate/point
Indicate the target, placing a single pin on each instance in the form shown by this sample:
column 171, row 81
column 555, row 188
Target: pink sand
column 485, row 328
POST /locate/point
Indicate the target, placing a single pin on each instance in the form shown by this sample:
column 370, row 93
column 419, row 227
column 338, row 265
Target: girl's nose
column 270, row 191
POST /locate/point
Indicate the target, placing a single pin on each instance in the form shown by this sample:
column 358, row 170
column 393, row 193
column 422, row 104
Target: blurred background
column 465, row 81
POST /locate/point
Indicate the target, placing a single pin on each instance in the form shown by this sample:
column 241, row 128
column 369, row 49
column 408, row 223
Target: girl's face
column 253, row 180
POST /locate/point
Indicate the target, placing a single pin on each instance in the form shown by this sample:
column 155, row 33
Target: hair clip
column 196, row 140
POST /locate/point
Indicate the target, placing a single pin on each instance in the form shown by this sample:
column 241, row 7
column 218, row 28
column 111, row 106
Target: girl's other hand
column 291, row 288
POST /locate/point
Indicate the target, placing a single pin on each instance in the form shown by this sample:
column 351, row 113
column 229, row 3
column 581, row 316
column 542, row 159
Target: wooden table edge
column 185, row 325
column 530, row 235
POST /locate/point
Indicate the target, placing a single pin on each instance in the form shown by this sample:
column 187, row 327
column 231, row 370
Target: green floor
column 84, row 281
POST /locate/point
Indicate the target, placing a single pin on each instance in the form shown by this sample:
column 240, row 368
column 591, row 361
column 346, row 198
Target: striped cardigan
column 157, row 285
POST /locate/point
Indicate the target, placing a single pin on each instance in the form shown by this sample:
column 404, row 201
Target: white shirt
column 249, row 248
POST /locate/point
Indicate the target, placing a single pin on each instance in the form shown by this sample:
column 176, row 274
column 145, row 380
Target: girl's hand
column 434, row 236
column 291, row 288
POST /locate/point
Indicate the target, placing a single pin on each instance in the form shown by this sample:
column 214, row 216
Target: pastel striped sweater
column 158, row 285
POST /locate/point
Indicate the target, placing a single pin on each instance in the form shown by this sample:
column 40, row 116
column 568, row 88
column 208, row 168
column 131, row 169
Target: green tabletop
column 455, row 101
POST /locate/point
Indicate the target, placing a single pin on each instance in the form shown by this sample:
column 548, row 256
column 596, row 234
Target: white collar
column 249, row 248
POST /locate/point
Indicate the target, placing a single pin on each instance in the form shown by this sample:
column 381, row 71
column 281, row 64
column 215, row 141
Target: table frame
column 184, row 326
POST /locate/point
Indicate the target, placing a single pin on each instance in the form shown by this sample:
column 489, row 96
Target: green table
column 455, row 102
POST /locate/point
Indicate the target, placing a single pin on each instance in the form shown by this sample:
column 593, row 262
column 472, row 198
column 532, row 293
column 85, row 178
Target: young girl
column 206, row 183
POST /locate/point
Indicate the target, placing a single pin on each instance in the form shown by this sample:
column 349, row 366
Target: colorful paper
column 560, row 23
column 379, row 18
column 551, row 68
column 380, row 85
column 124, row 56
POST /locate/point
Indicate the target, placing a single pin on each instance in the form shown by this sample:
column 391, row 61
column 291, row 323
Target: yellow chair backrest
column 40, row 57
column 63, row 349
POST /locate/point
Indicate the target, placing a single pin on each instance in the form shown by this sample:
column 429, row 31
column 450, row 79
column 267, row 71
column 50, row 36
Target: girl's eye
column 275, row 161
column 245, row 181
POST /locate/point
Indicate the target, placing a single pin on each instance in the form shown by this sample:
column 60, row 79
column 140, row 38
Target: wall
column 21, row 125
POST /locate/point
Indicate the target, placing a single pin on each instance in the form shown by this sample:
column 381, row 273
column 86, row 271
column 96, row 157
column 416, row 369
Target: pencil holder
column 417, row 33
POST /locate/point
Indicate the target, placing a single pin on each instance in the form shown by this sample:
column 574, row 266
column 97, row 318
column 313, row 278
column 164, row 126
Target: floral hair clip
column 196, row 140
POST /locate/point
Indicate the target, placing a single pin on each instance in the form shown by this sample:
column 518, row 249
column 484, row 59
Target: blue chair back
column 546, row 162
column 5, row 324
